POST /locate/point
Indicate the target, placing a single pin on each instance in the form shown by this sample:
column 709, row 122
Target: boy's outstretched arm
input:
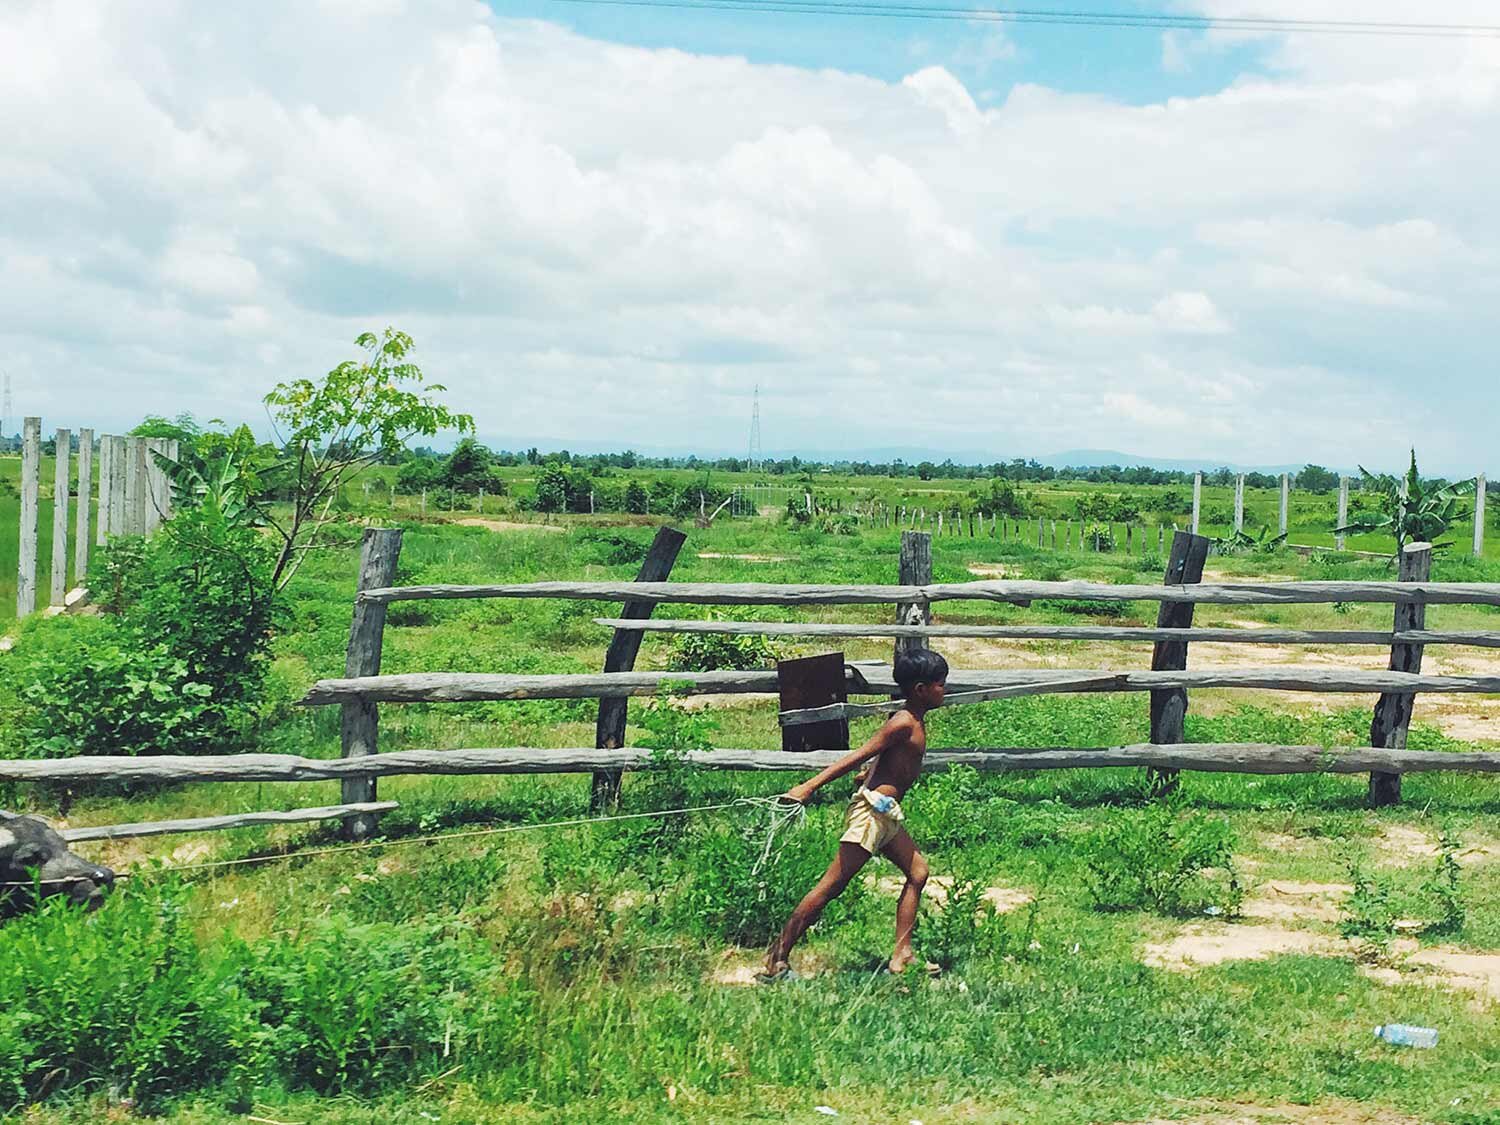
column 895, row 731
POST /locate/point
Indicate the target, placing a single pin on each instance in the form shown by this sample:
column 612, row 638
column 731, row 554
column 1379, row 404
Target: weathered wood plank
column 1477, row 639
column 216, row 823
column 85, row 491
column 61, row 464
column 609, row 730
column 31, row 489
column 996, row 590
column 1260, row 758
column 865, row 679
column 1393, row 711
column 106, row 469
column 802, row 716
column 913, row 569
column 360, row 722
column 1168, row 709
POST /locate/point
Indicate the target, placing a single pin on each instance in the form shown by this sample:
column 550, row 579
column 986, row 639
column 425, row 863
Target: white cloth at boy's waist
column 883, row 803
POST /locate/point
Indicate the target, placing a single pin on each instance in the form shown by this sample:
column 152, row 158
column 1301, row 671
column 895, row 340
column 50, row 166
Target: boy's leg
column 846, row 864
column 903, row 853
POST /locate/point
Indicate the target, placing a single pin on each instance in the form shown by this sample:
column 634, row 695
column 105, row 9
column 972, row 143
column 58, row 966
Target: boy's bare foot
column 776, row 971
column 900, row 962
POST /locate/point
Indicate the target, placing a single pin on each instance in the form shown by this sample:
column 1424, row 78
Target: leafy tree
column 1315, row 478
column 926, row 470
column 467, row 468
column 183, row 429
column 417, row 473
column 552, row 489
column 636, row 498
column 361, row 411
column 1410, row 509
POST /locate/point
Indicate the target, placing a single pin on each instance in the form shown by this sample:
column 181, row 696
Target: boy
column 872, row 825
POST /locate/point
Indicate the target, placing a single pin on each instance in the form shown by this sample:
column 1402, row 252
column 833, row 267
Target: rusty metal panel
column 813, row 681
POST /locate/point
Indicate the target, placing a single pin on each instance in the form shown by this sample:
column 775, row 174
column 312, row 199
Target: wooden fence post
column 1054, row 535
column 1239, row 503
column 106, row 468
column 1197, row 500
column 378, row 552
column 1392, row 711
column 1479, row 514
column 609, row 731
column 1338, row 537
column 63, row 455
column 1286, row 495
column 85, row 491
column 1039, row 542
column 914, row 569
column 1169, row 707
column 31, row 488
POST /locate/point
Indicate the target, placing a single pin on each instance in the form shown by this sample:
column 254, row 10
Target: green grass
column 582, row 958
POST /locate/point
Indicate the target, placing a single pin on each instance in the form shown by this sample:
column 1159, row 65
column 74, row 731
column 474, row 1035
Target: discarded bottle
column 1405, row 1035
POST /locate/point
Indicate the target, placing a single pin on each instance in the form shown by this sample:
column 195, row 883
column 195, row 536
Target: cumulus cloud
column 610, row 244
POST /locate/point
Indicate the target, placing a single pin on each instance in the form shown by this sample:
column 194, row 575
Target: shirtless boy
column 873, row 823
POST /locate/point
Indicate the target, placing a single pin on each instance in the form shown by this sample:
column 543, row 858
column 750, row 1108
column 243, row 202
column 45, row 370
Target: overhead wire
column 1161, row 21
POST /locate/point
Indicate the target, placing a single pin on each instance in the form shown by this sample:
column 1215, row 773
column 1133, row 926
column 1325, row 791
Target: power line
column 1161, row 21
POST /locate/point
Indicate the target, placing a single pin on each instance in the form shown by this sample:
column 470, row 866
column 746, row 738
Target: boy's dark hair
column 919, row 666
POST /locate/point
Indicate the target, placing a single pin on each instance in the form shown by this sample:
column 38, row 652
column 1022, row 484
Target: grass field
column 598, row 973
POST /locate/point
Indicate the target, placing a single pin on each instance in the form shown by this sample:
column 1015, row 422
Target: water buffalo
column 27, row 845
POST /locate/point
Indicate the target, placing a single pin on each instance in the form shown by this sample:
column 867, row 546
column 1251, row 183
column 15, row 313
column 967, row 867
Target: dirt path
column 507, row 525
column 1472, row 718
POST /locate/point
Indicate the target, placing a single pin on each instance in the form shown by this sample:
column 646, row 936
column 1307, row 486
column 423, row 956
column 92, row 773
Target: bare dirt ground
column 1319, row 1113
column 1472, row 718
column 744, row 558
column 507, row 525
column 939, row 887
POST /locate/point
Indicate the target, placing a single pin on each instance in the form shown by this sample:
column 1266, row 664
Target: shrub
column 735, row 895
column 1098, row 537
column 711, row 652
column 1155, row 859
column 84, row 685
column 178, row 663
column 354, row 1006
column 123, row 997
column 964, row 927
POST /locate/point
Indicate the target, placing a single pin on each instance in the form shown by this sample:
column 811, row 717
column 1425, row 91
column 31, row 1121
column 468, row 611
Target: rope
column 781, row 814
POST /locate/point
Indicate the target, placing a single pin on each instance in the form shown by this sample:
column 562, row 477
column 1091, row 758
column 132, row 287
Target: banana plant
column 1409, row 509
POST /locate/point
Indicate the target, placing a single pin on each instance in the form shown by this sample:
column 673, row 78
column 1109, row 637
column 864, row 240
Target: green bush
column 736, row 896
column 86, row 685
column 356, row 1006
column 1157, row 859
column 122, row 998
column 711, row 652
column 175, row 666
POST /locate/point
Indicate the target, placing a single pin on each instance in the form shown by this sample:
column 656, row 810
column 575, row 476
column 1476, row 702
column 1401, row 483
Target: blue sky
column 609, row 225
column 988, row 57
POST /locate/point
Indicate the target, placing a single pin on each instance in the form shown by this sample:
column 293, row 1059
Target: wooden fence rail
column 864, row 679
column 1247, row 757
column 1475, row 638
column 999, row 590
column 219, row 823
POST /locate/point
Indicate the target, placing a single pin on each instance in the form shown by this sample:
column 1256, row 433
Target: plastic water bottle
column 1405, row 1035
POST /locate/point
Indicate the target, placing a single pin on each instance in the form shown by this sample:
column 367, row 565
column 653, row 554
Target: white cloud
column 598, row 242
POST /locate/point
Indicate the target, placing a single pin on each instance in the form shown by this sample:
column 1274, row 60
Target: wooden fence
column 363, row 688
column 131, row 497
